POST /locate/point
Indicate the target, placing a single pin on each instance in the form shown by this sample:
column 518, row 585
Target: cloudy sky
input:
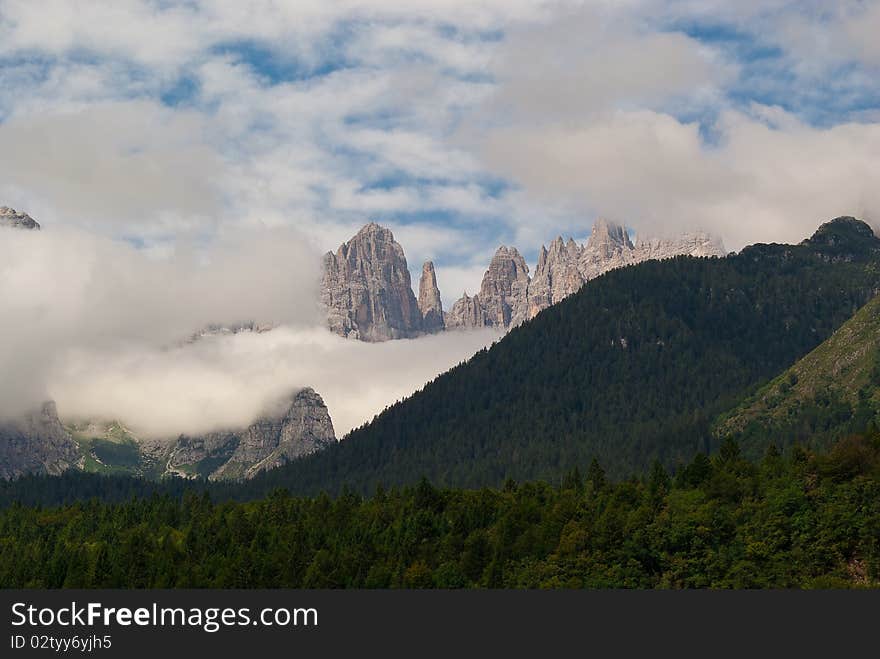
column 461, row 125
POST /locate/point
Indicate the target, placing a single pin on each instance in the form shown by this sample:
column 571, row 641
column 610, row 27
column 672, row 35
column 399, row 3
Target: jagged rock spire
column 430, row 304
column 466, row 313
column 366, row 288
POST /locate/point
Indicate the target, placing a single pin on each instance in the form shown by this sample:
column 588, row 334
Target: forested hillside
column 832, row 392
column 788, row 520
column 632, row 368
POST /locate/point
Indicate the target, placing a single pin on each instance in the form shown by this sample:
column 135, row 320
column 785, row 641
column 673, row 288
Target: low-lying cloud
column 226, row 381
column 62, row 290
column 102, row 328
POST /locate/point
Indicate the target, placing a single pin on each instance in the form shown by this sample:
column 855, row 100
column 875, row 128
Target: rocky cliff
column 505, row 289
column 466, row 313
column 302, row 428
column 39, row 443
column 366, row 288
column 508, row 297
column 9, row 217
column 430, row 305
column 36, row 443
column 557, row 275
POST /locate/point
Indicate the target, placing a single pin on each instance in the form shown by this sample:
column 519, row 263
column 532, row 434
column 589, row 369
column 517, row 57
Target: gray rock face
column 466, row 313
column 565, row 267
column 557, row 275
column 505, row 289
column 367, row 291
column 503, row 300
column 687, row 244
column 9, row 217
column 36, row 443
column 303, row 428
column 366, row 283
column 508, row 297
column 430, row 305
column 608, row 247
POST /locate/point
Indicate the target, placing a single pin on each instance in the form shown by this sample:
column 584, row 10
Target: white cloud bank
column 227, row 381
column 98, row 326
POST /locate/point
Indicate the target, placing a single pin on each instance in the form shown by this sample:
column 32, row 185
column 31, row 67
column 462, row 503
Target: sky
column 263, row 133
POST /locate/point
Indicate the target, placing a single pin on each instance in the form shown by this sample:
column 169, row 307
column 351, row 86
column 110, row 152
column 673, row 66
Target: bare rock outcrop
column 504, row 293
column 557, row 275
column 608, row 247
column 503, row 300
column 466, row 313
column 304, row 427
column 430, row 304
column 9, row 217
column 696, row 243
column 566, row 266
column 36, row 443
column 366, row 288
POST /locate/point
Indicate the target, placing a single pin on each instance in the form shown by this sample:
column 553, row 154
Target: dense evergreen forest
column 796, row 519
column 632, row 368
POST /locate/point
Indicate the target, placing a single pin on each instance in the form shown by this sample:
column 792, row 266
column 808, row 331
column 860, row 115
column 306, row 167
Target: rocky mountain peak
column 504, row 290
column 608, row 238
column 301, row 428
column 430, row 304
column 36, row 443
column 557, row 275
column 466, row 313
column 562, row 269
column 9, row 217
column 366, row 288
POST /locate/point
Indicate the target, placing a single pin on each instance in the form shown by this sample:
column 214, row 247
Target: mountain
column 632, row 367
column 566, row 266
column 9, row 217
column 503, row 297
column 36, row 443
column 832, row 392
column 304, row 427
column 366, row 285
column 41, row 443
column 366, row 288
column 508, row 296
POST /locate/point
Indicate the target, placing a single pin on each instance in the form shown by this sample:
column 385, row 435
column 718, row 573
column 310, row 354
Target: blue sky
column 461, row 125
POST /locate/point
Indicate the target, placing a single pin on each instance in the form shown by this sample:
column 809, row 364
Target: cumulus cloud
column 587, row 61
column 606, row 133
column 761, row 182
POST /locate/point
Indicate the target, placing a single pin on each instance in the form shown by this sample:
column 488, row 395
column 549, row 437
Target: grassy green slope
column 833, row 391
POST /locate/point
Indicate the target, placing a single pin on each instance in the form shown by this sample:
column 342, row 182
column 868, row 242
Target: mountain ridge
column 633, row 367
